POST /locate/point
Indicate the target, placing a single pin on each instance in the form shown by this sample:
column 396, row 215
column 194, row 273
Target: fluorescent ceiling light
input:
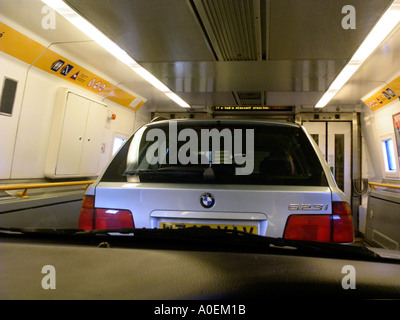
column 177, row 99
column 93, row 33
column 328, row 96
column 344, row 76
column 382, row 29
column 151, row 79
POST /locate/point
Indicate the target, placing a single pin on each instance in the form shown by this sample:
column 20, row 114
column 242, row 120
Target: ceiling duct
column 232, row 27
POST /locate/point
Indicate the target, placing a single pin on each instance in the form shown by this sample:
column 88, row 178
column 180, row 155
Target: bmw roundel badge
column 207, row 200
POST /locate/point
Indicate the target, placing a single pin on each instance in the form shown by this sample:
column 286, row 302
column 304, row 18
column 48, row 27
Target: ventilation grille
column 233, row 28
column 384, row 241
column 249, row 98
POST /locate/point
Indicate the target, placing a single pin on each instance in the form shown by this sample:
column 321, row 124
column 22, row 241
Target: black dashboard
column 104, row 268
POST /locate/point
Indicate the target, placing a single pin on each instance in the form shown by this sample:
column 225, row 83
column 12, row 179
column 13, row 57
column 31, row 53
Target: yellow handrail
column 375, row 185
column 25, row 187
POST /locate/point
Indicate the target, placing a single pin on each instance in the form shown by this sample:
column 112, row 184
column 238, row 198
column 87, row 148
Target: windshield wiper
column 252, row 242
column 38, row 231
column 196, row 237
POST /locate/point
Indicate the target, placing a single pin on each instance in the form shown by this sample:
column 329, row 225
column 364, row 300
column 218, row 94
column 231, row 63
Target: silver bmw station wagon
column 262, row 177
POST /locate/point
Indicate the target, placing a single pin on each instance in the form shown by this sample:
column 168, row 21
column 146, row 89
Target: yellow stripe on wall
column 387, row 94
column 19, row 46
column 31, row 52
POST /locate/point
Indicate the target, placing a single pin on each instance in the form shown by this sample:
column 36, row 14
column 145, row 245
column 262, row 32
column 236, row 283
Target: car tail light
column 342, row 222
column 308, row 227
column 113, row 219
column 335, row 227
column 87, row 213
column 92, row 218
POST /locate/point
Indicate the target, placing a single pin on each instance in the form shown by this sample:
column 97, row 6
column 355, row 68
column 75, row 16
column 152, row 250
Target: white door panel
column 318, row 131
column 339, row 154
column 93, row 139
column 72, row 137
column 334, row 140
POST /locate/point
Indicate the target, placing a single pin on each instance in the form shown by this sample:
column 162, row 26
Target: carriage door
column 334, row 140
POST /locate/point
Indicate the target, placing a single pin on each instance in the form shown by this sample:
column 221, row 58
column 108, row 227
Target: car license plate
column 244, row 228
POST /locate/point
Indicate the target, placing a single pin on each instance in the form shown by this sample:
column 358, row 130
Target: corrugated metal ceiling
column 233, row 27
column 218, row 52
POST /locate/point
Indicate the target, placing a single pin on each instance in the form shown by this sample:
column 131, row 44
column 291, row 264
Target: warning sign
column 102, row 88
column 91, row 82
column 97, row 85
column 57, row 65
column 75, row 76
column 66, row 70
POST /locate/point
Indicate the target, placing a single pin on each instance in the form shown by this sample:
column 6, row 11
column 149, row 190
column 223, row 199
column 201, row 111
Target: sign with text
column 252, row 108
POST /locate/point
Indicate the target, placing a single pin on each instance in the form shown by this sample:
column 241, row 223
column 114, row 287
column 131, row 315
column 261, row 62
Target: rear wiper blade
column 137, row 172
column 205, row 173
column 166, row 170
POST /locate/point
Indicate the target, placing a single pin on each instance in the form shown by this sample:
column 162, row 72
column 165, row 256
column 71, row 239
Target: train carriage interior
column 80, row 80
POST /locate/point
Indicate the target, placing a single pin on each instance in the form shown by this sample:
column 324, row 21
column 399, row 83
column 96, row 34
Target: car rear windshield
column 211, row 153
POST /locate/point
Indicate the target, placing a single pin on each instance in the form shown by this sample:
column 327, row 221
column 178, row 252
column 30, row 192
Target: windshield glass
column 260, row 127
column 223, row 154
